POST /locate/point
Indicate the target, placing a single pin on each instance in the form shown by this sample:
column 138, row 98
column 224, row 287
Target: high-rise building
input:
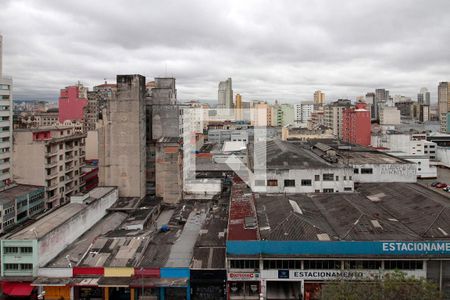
column 443, row 104
column 356, row 125
column 52, row 157
column 370, row 100
column 6, row 87
column 71, row 103
column 319, row 99
column 276, row 114
column 122, row 138
column 238, row 113
column 225, row 94
column 381, row 97
column 302, row 113
column 333, row 115
column 423, row 97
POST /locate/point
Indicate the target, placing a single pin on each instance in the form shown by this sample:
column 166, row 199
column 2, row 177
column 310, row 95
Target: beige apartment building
column 52, row 157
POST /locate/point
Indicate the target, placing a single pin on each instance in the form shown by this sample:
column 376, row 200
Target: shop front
column 243, row 285
column 208, row 284
column 19, row 290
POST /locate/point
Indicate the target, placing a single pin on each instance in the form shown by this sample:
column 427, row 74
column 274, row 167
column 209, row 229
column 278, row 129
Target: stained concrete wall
column 122, row 138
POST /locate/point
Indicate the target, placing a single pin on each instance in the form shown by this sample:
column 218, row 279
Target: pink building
column 71, row 102
column 356, row 125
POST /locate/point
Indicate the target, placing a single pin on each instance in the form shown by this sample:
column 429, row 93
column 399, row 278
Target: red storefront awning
column 18, row 289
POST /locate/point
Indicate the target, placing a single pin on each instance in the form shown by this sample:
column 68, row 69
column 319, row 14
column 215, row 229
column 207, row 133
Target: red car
column 440, row 185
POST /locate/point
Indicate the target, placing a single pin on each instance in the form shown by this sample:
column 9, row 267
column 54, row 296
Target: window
column 26, row 266
column 366, row 171
column 317, row 177
column 289, row 182
column 322, row 264
column 60, row 147
column 345, row 177
column 282, row 264
column 306, row 182
column 328, row 190
column 347, row 189
column 356, row 171
column 316, row 191
column 328, row 177
column 244, row 264
column 26, row 250
column 403, row 264
column 337, row 178
column 363, row 264
column 11, row 266
column 11, row 249
column 272, row 182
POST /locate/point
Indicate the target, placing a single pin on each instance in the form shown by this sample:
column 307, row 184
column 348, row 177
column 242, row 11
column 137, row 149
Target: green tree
column 393, row 286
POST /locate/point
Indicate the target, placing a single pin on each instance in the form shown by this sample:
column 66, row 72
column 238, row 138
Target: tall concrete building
column 356, row 125
column 288, row 114
column 443, row 104
column 225, row 94
column 319, row 99
column 423, row 97
column 163, row 149
column 334, row 116
column 122, row 138
column 381, row 97
column 6, row 87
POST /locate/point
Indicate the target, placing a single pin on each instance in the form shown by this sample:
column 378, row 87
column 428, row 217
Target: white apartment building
column 52, row 157
column 333, row 115
column 302, row 113
column 6, row 87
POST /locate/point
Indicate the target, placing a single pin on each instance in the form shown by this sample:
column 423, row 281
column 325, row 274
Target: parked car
column 440, row 185
column 447, row 189
column 435, row 183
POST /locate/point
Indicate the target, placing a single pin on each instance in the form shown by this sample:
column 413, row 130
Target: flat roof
column 376, row 211
column 12, row 193
column 48, row 223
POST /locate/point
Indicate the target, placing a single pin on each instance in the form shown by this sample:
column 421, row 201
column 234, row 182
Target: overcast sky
column 272, row 49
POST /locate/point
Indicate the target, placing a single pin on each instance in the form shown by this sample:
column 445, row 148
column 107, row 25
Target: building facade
column 333, row 115
column 443, row 104
column 54, row 159
column 122, row 138
column 225, row 94
column 356, row 128
column 302, row 113
column 6, row 101
column 71, row 103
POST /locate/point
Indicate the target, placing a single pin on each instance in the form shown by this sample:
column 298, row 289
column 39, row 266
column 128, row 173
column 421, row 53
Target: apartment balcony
column 69, row 189
column 5, row 176
column 5, row 134
column 51, row 153
column 52, row 186
column 5, row 123
column 4, row 155
column 5, row 113
column 52, row 198
column 68, row 148
column 5, row 102
column 68, row 169
column 5, row 145
column 69, row 158
column 52, row 175
column 5, row 166
column 51, row 164
column 69, row 179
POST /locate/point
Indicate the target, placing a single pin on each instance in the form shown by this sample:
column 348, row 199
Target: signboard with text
column 237, row 276
column 394, row 248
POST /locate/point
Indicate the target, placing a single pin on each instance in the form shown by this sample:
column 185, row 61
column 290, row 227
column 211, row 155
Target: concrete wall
column 57, row 240
column 405, row 172
column 122, row 139
column 28, row 159
column 92, row 145
column 168, row 169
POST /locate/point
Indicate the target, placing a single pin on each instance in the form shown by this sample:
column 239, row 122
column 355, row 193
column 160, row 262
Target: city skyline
column 281, row 51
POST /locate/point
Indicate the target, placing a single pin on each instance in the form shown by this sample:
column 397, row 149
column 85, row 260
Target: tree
column 393, row 286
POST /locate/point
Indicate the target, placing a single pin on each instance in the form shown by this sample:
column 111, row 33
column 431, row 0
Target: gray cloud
column 272, row 49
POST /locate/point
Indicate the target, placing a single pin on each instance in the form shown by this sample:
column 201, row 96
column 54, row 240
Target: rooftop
column 49, row 222
column 378, row 211
column 12, row 193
